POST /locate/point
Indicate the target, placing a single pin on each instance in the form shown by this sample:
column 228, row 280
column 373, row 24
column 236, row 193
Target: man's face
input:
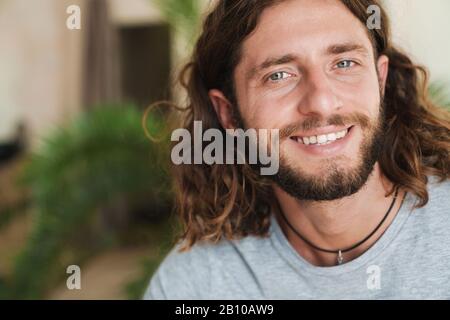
column 309, row 70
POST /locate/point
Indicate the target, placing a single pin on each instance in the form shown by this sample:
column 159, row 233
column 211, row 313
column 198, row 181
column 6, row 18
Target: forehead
column 305, row 27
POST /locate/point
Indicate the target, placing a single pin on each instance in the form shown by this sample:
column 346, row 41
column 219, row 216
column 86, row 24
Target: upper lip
column 320, row 131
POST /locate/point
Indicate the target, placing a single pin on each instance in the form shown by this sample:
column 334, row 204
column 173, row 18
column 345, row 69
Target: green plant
column 101, row 156
column 182, row 15
column 10, row 212
column 439, row 94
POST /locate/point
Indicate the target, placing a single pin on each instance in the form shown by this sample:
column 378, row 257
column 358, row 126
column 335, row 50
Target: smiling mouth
column 322, row 139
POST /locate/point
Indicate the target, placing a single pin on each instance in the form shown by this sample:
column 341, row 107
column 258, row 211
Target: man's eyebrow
column 269, row 62
column 346, row 47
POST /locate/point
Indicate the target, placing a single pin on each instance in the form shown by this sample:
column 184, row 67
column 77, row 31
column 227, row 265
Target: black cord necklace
column 340, row 258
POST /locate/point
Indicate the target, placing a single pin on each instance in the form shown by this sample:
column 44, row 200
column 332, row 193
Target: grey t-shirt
column 410, row 261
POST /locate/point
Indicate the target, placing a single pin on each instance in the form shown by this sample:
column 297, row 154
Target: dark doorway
column 145, row 63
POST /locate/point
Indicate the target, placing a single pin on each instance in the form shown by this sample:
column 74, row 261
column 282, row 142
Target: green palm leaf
column 99, row 157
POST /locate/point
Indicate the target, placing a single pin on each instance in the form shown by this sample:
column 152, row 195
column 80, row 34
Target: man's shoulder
column 187, row 274
column 439, row 193
column 201, row 252
column 179, row 271
column 434, row 217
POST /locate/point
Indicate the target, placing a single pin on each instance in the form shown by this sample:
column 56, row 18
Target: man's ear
column 383, row 71
column 223, row 107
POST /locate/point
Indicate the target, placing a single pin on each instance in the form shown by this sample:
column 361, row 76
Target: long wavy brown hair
column 232, row 201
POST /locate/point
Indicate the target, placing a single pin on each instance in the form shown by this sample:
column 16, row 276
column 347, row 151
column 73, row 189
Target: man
column 360, row 207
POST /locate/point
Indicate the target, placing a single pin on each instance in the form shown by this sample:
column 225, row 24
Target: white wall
column 40, row 65
column 41, row 61
column 422, row 28
column 133, row 12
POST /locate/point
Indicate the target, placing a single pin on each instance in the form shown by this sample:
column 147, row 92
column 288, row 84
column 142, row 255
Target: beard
column 337, row 182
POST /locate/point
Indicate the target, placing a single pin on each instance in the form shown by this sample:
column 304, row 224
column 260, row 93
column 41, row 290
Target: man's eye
column 277, row 76
column 344, row 64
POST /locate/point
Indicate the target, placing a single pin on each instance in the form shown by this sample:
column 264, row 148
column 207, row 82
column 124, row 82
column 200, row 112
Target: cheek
column 266, row 111
column 269, row 117
column 363, row 97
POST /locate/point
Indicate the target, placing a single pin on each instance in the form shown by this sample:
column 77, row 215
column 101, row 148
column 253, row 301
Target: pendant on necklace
column 340, row 258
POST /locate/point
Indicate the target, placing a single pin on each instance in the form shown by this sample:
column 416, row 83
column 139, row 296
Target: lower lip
column 330, row 149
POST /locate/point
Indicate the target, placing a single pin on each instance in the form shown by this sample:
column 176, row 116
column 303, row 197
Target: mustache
column 318, row 122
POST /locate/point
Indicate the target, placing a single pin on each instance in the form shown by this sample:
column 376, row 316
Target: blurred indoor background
column 80, row 183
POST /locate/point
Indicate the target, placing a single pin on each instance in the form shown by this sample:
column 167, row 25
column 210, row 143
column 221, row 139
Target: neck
column 338, row 224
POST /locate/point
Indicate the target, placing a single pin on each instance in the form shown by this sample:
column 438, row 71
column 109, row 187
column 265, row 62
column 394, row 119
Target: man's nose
column 320, row 97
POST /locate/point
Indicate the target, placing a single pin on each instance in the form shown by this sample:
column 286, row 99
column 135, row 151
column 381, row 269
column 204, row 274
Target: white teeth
column 331, row 137
column 341, row 134
column 322, row 139
column 306, row 141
